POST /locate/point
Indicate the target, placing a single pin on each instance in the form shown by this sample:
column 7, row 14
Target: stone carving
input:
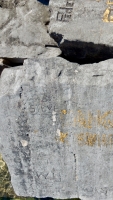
column 57, row 139
column 77, row 21
column 64, row 14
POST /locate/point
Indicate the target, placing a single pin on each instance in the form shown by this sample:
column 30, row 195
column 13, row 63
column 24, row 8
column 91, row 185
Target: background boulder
column 23, row 26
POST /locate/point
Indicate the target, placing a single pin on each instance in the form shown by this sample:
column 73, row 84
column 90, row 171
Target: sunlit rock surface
column 56, row 121
column 23, row 29
column 82, row 20
column 6, row 189
column 82, row 29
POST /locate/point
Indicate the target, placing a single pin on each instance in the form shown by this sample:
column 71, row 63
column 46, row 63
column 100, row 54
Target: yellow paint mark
column 90, row 120
column 101, row 119
column 104, row 140
column 83, row 122
column 91, row 139
column 64, row 112
column 62, row 137
column 109, row 2
column 110, row 123
column 107, row 17
column 87, row 139
column 81, row 138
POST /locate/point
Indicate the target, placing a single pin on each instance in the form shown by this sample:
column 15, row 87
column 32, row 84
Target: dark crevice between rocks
column 10, row 62
column 83, row 52
column 54, row 46
column 13, row 62
column 45, row 2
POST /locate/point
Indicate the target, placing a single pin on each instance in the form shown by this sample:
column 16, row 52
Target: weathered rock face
column 81, row 20
column 56, row 121
column 81, row 30
column 23, row 28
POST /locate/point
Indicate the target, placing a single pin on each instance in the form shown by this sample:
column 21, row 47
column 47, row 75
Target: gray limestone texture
column 82, row 29
column 82, row 20
column 56, row 128
column 23, row 28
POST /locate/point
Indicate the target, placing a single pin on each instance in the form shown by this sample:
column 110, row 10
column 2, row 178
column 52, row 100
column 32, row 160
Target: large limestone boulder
column 83, row 28
column 23, row 28
column 56, row 128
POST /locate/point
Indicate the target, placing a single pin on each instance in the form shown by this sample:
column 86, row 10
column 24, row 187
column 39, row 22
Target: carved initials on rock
column 64, row 14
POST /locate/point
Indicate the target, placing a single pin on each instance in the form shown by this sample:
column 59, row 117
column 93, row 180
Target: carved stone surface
column 56, row 122
column 23, row 30
column 82, row 20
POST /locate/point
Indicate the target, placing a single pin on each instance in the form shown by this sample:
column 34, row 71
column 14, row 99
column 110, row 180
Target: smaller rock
column 51, row 52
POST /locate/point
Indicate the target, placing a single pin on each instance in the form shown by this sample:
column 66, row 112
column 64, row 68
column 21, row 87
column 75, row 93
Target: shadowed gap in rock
column 10, row 62
column 83, row 52
column 45, row 2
